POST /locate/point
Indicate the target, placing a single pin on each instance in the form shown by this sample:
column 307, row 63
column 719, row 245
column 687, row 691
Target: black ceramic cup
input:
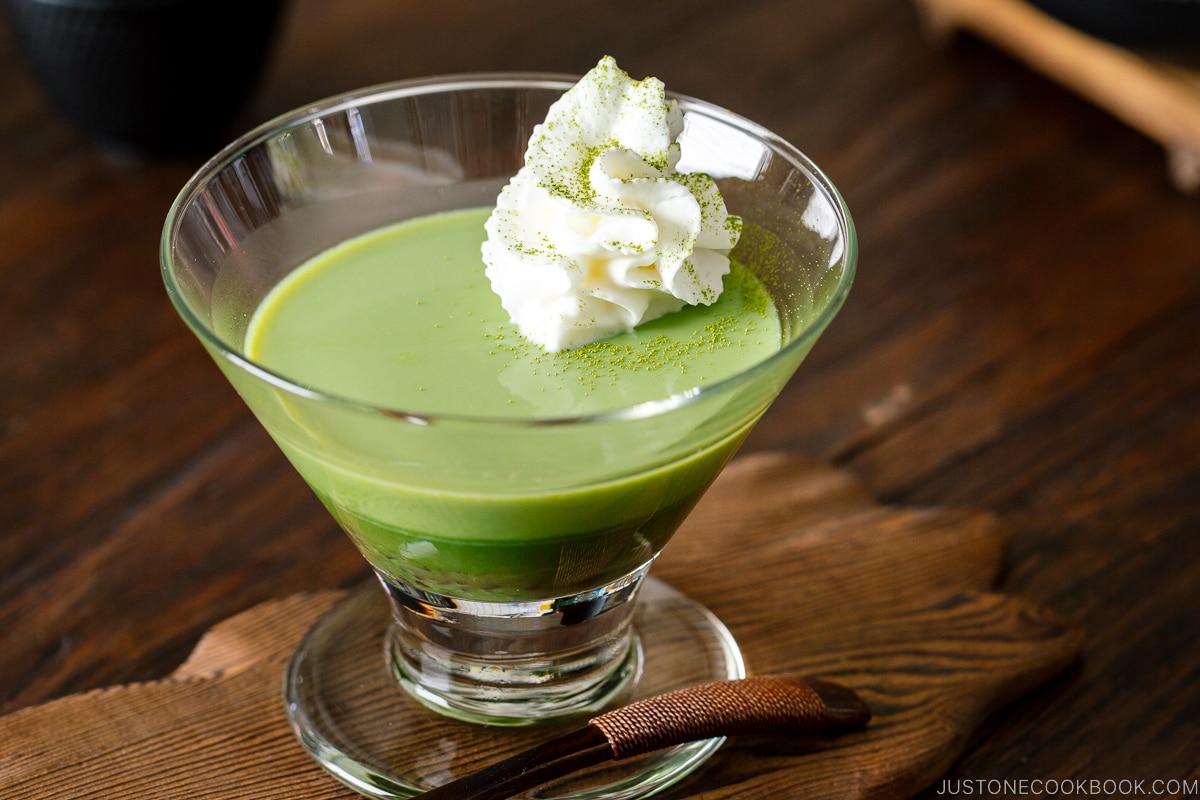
column 146, row 77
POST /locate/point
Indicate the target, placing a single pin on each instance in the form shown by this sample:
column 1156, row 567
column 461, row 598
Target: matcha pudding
column 508, row 328
column 404, row 318
column 531, row 395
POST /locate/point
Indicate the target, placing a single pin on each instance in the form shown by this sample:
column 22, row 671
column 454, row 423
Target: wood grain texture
column 1021, row 340
column 1159, row 98
column 893, row 603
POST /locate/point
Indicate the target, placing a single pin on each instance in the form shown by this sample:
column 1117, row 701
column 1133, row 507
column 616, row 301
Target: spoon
column 767, row 704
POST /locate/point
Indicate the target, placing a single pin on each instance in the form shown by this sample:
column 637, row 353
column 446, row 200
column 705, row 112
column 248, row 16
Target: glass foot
column 349, row 711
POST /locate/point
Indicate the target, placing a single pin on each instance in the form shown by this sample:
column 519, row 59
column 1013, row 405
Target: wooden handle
column 769, row 704
column 760, row 705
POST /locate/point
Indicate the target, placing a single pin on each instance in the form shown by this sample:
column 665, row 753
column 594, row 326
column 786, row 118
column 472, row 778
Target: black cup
column 146, row 77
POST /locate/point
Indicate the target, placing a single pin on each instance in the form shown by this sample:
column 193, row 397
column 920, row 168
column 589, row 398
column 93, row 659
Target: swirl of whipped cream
column 598, row 233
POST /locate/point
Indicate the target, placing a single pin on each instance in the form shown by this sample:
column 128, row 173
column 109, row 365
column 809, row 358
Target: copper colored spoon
column 768, row 704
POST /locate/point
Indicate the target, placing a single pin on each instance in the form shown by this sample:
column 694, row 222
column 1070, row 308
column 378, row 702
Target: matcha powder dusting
column 675, row 353
column 598, row 233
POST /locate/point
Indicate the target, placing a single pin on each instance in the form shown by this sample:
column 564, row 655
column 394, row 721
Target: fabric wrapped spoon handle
column 761, row 705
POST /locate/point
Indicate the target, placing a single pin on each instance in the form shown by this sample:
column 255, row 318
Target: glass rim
column 413, row 87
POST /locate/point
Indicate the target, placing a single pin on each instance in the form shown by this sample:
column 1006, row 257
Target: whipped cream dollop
column 598, row 232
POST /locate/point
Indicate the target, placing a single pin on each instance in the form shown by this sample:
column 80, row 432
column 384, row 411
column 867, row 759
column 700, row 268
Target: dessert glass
column 461, row 659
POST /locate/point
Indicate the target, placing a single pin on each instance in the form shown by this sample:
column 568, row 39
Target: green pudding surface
column 404, row 319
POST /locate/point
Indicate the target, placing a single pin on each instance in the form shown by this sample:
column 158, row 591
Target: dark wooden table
column 1022, row 339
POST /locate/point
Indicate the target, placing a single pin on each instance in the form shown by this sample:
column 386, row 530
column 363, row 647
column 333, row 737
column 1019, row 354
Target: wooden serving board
column 811, row 576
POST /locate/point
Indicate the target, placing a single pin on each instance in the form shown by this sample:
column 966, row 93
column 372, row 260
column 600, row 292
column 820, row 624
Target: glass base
column 350, row 712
